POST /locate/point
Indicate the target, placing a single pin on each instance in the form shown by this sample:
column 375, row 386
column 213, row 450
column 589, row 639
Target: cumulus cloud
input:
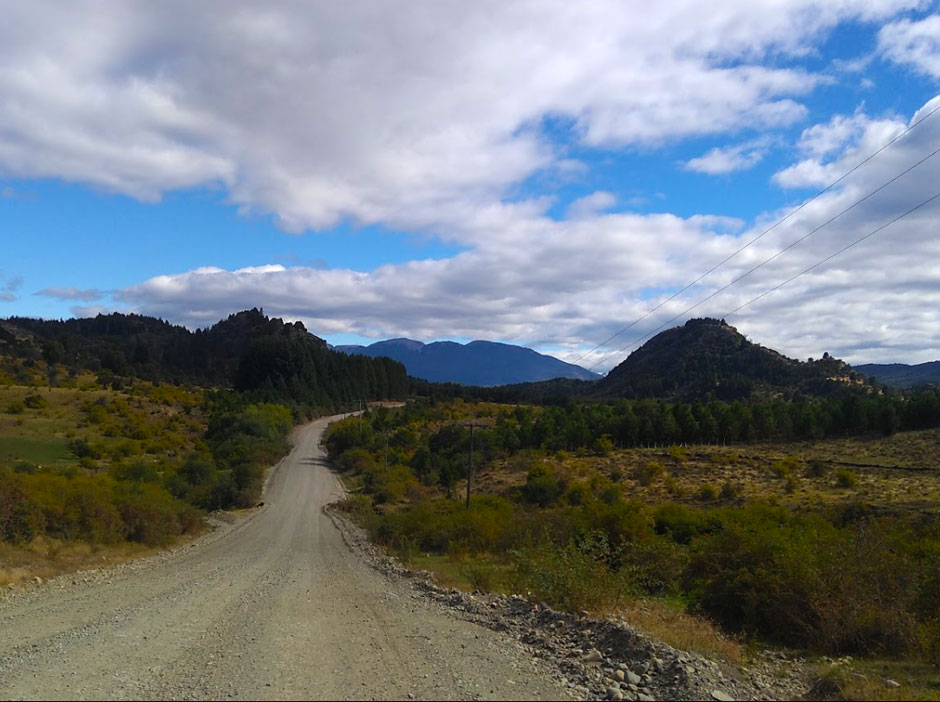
column 570, row 284
column 430, row 117
column 913, row 43
column 373, row 112
column 590, row 205
column 836, row 146
column 729, row 159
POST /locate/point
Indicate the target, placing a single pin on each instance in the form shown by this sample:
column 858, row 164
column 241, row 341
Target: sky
column 550, row 174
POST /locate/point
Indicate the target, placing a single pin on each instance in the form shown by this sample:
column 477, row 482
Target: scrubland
column 829, row 546
column 92, row 473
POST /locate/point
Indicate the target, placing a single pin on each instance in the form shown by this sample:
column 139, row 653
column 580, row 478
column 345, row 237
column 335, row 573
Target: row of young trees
column 574, row 426
column 441, row 457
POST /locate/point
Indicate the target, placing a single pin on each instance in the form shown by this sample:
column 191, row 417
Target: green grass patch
column 35, row 450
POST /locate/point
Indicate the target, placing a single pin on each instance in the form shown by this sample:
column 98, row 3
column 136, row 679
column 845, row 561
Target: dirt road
column 273, row 607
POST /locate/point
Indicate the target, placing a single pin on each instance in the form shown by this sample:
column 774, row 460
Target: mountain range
column 703, row 359
column 483, row 363
column 901, row 375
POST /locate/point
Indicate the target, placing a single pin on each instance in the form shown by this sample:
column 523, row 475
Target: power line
column 776, row 224
column 833, row 255
column 776, row 255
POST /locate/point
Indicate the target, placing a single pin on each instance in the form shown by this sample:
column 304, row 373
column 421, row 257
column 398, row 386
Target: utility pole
column 470, row 467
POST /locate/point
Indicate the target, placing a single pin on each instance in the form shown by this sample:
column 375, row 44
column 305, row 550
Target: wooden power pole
column 470, row 467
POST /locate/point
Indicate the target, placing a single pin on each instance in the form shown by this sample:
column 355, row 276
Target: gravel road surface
column 272, row 606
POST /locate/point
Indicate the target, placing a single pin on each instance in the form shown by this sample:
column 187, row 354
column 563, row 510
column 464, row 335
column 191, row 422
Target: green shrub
column 149, row 513
column 603, row 445
column 680, row 523
column 542, row 487
column 571, row 577
column 708, row 493
column 672, row 486
column 16, row 407
column 791, row 483
column 80, row 448
column 578, row 494
column 802, row 581
column 846, row 478
column 480, row 577
column 20, row 517
column 646, row 475
column 34, row 401
column 356, row 461
column 815, row 468
column 652, row 566
column 678, row 454
column 136, row 471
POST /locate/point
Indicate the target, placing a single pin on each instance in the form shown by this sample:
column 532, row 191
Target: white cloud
column 836, row 146
column 916, row 44
column 729, row 159
column 426, row 116
column 573, row 283
column 591, row 205
column 407, row 116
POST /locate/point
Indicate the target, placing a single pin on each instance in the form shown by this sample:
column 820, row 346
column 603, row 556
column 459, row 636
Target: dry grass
column 47, row 558
column 682, row 630
column 868, row 680
column 662, row 620
column 901, row 471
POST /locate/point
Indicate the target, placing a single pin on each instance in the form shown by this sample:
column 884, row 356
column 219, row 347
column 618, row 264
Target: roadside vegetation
column 87, row 471
column 830, row 545
column 119, row 433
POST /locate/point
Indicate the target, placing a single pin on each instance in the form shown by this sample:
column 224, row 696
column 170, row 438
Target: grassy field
column 37, row 424
column 42, row 451
column 85, row 431
column 900, row 472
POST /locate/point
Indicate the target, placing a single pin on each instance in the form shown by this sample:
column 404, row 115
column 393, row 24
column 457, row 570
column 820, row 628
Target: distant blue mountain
column 901, row 375
column 477, row 363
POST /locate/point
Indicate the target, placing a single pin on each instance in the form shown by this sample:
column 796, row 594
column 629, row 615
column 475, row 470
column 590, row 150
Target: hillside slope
column 271, row 359
column 708, row 358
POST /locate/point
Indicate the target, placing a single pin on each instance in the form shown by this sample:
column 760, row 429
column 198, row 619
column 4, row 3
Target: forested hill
column 266, row 357
column 709, row 359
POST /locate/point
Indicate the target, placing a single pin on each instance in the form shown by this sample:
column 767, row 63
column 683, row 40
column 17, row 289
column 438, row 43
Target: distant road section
column 272, row 607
